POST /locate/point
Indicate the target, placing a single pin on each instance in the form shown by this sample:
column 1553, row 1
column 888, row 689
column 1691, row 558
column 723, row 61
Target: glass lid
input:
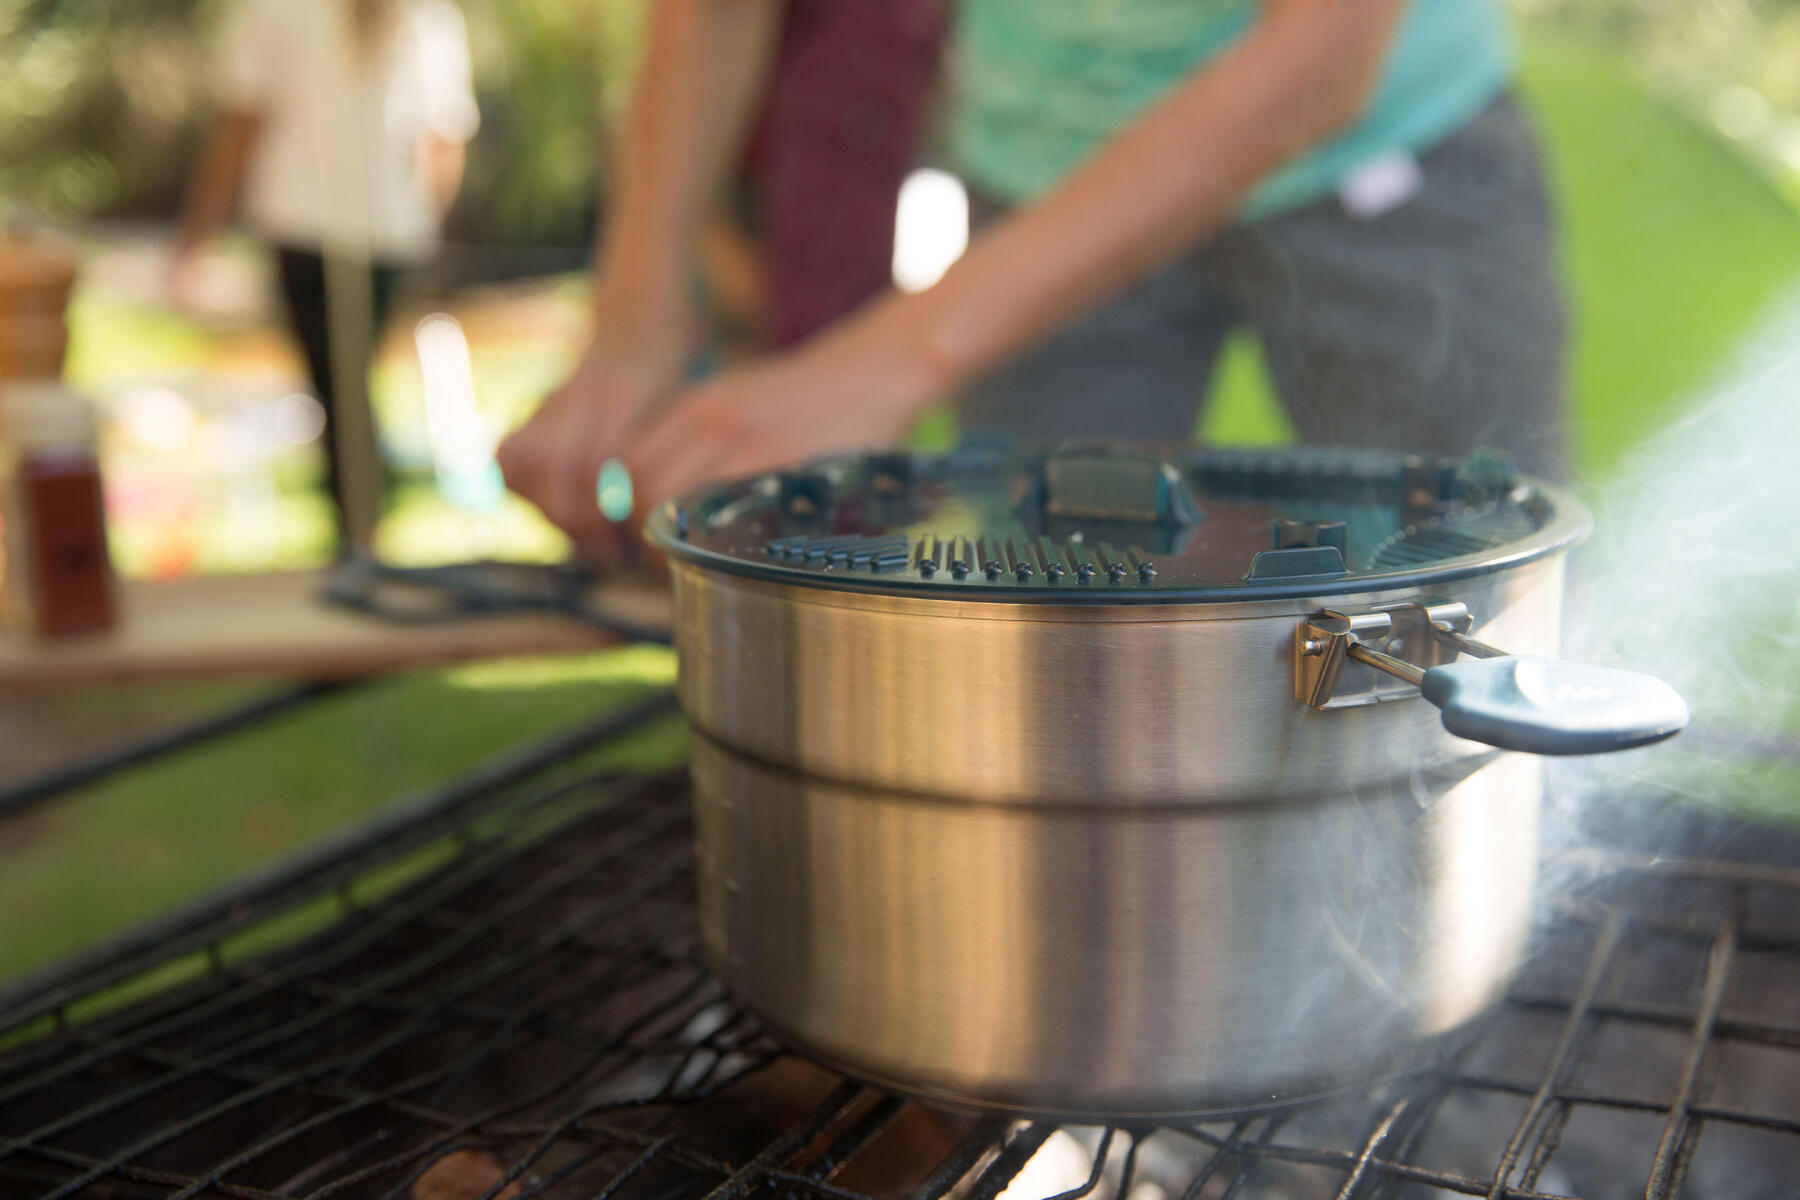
column 1115, row 524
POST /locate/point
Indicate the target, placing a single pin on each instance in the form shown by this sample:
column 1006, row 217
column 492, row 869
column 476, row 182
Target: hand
column 845, row 390
column 633, row 360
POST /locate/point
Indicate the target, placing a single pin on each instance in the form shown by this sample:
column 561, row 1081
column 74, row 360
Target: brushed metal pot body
column 1094, row 860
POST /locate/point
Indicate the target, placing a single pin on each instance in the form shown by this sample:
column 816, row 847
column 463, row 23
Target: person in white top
column 343, row 125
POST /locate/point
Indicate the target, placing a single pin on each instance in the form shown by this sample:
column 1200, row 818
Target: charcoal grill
column 496, row 990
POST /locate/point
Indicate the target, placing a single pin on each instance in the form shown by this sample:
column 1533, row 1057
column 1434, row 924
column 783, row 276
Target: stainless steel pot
column 1017, row 819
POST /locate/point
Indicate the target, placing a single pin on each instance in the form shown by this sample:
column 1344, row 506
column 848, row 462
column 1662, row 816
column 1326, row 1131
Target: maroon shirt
column 840, row 129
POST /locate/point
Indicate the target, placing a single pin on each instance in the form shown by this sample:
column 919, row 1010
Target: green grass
column 108, row 339
column 154, row 836
column 1673, row 244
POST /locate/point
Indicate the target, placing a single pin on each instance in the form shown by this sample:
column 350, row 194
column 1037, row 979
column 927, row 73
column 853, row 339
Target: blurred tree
column 102, row 103
column 98, row 102
column 543, row 69
column 1734, row 64
column 1691, row 43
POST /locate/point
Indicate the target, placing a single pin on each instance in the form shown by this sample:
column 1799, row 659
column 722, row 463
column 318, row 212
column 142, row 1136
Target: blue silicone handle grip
column 1550, row 706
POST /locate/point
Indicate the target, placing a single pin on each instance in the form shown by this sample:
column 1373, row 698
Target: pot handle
column 1514, row 702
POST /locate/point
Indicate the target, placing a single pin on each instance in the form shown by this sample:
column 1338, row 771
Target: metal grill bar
column 299, row 1027
column 329, row 864
column 1573, row 1097
column 1246, row 1166
column 492, row 968
column 1682, row 1131
column 1013, row 1156
column 1101, row 1153
column 1359, row 1170
column 1128, row 1172
column 783, row 1148
column 534, row 1003
column 1547, row 1097
column 874, row 1123
column 960, row 1161
column 1223, row 1152
column 1671, row 1016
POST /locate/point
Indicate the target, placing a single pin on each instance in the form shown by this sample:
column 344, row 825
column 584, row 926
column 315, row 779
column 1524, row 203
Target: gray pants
column 1436, row 326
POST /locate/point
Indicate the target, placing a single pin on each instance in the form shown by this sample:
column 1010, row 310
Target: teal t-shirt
column 1039, row 84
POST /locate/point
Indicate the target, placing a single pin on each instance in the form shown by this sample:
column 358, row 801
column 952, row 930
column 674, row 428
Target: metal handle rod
column 1465, row 643
column 1399, row 668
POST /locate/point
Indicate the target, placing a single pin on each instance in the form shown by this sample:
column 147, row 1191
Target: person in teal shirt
column 1351, row 179
column 1042, row 84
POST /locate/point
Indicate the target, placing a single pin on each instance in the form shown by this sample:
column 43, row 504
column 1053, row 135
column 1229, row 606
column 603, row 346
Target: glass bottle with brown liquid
column 55, row 576
column 58, row 579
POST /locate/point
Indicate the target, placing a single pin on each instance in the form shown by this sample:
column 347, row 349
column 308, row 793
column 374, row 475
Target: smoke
column 1694, row 575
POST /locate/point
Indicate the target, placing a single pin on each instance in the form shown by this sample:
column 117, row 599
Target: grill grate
column 501, row 996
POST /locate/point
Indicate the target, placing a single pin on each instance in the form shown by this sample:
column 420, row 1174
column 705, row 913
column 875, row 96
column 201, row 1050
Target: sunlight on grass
column 650, row 666
column 1241, row 410
column 109, row 340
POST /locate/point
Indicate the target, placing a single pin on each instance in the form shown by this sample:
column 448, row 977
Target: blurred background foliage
column 1752, row 43
column 102, row 101
column 1672, row 128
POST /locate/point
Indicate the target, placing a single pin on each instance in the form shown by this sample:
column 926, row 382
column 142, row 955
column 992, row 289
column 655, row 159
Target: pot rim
column 1569, row 523
column 960, row 608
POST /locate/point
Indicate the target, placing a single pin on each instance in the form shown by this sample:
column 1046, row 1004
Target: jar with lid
column 56, row 577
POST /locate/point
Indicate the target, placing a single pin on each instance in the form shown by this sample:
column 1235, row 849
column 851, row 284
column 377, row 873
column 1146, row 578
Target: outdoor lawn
column 1676, row 240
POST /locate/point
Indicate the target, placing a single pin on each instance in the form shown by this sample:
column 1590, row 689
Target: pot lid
column 1115, row 524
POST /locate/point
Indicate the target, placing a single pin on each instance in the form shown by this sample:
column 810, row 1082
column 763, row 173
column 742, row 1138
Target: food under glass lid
column 1109, row 524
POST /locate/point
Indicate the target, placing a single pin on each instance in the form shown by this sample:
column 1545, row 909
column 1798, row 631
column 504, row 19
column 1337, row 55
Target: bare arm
column 1303, row 73
column 1164, row 183
column 213, row 192
column 700, row 82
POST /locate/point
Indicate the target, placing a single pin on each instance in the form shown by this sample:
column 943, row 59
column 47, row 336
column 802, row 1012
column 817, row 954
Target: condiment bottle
column 54, row 573
column 57, row 577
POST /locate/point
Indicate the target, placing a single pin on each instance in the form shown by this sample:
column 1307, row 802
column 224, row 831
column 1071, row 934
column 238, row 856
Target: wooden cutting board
column 274, row 624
